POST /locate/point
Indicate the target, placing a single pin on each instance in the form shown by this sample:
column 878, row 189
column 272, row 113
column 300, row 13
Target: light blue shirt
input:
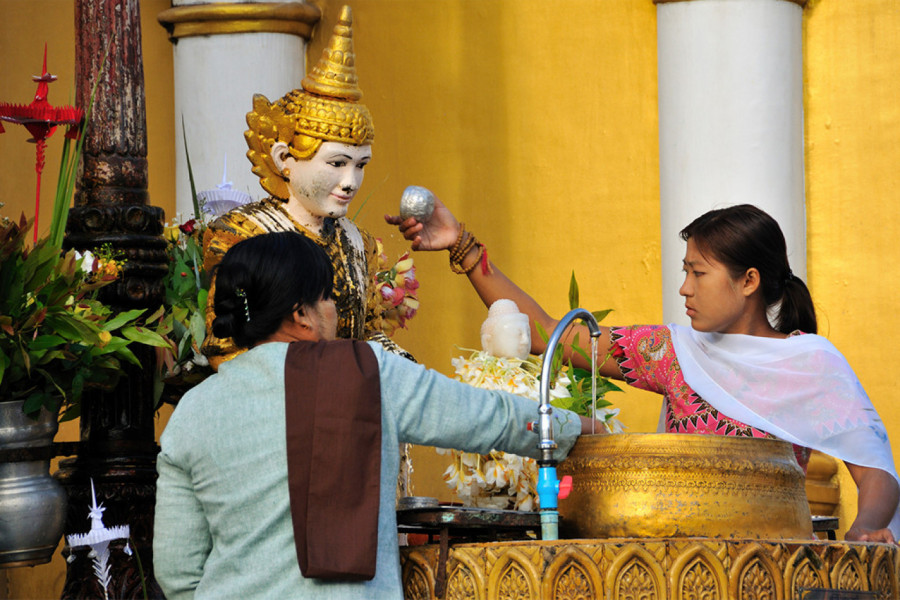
column 223, row 522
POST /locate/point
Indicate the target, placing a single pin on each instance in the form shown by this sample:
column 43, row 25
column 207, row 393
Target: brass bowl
column 682, row 485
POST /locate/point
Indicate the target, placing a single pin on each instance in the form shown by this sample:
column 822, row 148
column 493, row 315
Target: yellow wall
column 852, row 123
column 537, row 124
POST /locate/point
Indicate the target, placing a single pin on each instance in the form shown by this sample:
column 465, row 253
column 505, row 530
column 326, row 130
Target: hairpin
column 240, row 293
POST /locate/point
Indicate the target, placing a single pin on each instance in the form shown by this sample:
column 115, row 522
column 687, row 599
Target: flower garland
column 396, row 290
column 499, row 479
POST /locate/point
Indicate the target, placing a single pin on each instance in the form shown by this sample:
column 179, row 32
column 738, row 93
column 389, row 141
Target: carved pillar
column 118, row 447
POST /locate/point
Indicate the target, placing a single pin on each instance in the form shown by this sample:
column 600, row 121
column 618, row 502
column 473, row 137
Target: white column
column 730, row 121
column 224, row 53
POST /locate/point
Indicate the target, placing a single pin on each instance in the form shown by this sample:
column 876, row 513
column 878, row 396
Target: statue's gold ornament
column 326, row 108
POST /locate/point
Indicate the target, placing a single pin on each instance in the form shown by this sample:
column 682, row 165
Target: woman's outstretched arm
column 441, row 233
column 877, row 503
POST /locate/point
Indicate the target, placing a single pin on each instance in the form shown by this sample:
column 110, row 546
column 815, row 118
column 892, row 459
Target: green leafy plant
column 56, row 337
column 580, row 380
column 183, row 320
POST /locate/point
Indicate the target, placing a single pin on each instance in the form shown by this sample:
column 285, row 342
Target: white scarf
column 800, row 389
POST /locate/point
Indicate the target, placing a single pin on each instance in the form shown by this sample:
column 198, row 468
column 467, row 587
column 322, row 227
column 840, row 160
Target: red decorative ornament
column 41, row 119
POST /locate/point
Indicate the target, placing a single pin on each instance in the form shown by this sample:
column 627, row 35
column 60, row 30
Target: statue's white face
column 506, row 336
column 325, row 185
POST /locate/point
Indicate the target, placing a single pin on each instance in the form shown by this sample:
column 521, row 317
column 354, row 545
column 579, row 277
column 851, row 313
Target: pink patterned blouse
column 647, row 360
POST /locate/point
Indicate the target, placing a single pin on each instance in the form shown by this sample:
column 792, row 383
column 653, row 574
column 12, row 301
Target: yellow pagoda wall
column 536, row 123
column 852, row 125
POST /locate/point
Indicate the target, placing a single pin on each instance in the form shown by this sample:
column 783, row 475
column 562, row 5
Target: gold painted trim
column 293, row 18
column 802, row 3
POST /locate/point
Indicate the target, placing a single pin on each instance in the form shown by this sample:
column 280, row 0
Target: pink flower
column 397, row 295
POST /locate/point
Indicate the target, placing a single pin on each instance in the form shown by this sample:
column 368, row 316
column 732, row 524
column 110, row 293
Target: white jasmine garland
column 499, row 479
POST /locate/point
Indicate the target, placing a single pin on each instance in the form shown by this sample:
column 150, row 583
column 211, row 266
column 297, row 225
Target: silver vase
column 32, row 503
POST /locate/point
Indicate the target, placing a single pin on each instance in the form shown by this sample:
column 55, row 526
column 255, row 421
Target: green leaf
column 601, row 314
column 142, row 335
column 157, row 315
column 73, row 411
column 34, row 403
column 113, row 346
column 77, row 385
column 564, row 403
column 44, row 342
column 128, row 355
column 573, row 292
column 187, row 156
column 72, row 328
column 122, row 319
column 198, row 328
column 202, row 296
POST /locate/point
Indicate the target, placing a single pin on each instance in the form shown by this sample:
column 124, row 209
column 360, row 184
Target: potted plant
column 56, row 339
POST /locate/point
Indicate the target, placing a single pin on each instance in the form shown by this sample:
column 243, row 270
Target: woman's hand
column 591, row 427
column 438, row 233
column 860, row 534
column 877, row 502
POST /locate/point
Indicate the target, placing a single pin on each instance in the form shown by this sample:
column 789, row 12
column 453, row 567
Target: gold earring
column 286, row 173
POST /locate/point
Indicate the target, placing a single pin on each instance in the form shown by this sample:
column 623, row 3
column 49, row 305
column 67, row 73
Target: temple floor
column 652, row 569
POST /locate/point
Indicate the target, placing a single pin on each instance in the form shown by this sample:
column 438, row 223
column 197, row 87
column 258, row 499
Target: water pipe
column 549, row 488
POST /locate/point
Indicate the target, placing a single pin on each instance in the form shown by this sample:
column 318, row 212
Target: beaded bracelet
column 465, row 241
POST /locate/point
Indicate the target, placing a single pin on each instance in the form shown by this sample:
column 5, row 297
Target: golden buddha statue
column 310, row 149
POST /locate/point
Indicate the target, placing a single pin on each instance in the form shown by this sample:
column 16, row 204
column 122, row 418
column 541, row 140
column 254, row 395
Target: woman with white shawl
column 733, row 372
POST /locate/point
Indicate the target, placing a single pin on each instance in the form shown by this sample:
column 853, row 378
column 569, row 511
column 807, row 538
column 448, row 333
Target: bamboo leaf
column 573, row 292
column 187, row 156
column 601, row 314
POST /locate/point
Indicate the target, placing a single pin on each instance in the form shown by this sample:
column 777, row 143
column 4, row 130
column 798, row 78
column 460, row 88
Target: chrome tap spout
column 547, row 444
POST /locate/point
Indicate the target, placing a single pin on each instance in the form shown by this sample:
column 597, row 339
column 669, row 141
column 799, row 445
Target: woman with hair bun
column 733, row 372
column 277, row 474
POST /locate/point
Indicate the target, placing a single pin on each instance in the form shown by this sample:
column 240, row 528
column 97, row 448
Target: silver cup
column 417, row 202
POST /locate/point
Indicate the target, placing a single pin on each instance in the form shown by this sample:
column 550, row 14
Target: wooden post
column 118, row 448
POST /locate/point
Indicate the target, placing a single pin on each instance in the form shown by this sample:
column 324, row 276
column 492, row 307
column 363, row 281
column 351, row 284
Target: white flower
column 87, row 260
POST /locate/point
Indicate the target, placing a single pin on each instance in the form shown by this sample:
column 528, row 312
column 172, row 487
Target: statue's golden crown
column 327, row 108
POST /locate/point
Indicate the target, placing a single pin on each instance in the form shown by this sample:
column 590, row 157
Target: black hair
column 263, row 279
column 743, row 236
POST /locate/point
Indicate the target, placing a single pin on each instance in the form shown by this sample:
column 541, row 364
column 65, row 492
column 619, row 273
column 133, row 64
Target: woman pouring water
column 732, row 372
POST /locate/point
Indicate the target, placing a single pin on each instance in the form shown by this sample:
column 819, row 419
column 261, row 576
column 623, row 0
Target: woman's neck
column 755, row 323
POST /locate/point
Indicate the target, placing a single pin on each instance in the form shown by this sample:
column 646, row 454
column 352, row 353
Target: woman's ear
column 750, row 281
column 279, row 153
column 300, row 327
column 299, row 318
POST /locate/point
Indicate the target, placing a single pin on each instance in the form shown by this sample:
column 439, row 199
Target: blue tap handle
column 548, row 488
column 549, row 492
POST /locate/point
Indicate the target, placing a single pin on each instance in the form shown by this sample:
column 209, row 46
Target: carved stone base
column 651, row 569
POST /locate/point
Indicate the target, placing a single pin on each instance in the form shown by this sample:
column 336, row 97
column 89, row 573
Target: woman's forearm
column 879, row 494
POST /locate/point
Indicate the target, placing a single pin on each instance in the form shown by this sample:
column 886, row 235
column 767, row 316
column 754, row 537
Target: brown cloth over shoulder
column 333, row 417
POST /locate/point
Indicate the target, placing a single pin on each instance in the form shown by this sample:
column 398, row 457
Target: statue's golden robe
column 352, row 252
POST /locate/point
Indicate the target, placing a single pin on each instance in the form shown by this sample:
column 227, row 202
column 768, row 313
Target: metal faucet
column 549, row 488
